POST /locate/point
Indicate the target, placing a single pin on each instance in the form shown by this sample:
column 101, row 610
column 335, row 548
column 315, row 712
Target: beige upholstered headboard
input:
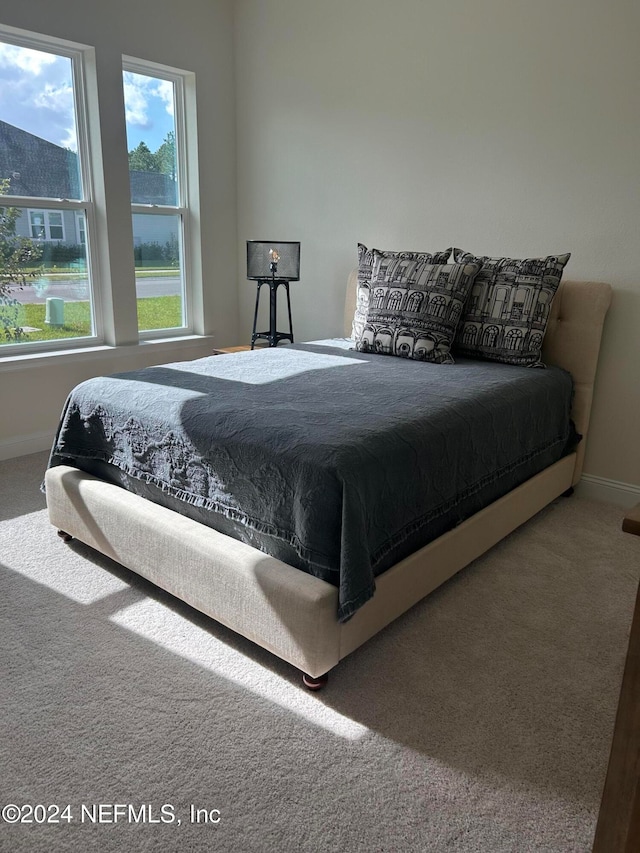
column 572, row 341
column 350, row 301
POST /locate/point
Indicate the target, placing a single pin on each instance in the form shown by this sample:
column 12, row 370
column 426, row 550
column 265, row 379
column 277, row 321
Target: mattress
column 336, row 462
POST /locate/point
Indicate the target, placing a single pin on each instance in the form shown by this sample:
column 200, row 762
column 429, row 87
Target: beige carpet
column 480, row 721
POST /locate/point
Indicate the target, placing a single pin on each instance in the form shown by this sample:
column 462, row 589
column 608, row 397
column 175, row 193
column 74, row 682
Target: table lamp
column 274, row 263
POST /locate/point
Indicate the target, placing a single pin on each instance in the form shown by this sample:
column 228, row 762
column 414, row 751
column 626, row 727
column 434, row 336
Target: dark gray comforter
column 339, row 463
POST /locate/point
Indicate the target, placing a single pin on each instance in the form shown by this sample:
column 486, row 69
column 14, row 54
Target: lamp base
column 273, row 339
column 272, row 336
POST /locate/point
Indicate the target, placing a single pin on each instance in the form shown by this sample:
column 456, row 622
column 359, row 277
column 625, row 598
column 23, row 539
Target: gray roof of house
column 38, row 168
column 152, row 188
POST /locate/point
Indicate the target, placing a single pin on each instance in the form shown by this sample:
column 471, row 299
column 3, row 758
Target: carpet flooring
column 479, row 721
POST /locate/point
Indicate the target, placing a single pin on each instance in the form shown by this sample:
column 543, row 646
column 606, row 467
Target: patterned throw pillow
column 365, row 271
column 414, row 308
column 506, row 314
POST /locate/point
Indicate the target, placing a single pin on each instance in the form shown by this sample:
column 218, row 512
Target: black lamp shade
column 273, row 259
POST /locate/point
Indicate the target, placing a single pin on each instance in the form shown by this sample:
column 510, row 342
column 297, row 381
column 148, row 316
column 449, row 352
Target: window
column 81, row 228
column 513, row 339
column 49, row 209
column 437, row 305
column 469, row 334
column 415, row 301
column 490, row 336
column 43, row 145
column 395, row 300
column 46, row 225
column 155, row 139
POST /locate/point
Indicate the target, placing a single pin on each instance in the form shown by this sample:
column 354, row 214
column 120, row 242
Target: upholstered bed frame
column 283, row 609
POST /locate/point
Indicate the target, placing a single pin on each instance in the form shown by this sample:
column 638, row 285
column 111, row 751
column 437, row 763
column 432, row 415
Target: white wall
column 502, row 126
column 192, row 35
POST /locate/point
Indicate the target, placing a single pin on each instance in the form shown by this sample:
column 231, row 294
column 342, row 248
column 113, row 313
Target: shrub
column 16, row 254
column 62, row 253
column 157, row 252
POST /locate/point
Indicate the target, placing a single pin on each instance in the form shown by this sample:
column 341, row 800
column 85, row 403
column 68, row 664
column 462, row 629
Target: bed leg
column 568, row 493
column 66, row 537
column 315, row 683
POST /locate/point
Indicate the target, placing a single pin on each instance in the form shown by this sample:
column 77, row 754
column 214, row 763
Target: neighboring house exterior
column 36, row 168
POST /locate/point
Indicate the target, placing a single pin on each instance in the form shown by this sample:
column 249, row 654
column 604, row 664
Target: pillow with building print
column 414, row 308
column 506, row 314
column 392, row 259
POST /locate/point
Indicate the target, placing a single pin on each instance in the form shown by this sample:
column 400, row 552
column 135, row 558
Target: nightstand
column 223, row 350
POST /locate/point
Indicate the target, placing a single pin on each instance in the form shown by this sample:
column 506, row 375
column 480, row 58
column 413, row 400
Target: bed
column 297, row 615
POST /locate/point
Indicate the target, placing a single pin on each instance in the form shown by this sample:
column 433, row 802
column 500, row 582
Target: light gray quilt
column 336, row 462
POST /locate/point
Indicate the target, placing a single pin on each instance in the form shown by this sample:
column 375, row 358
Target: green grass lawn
column 156, row 312
column 160, row 312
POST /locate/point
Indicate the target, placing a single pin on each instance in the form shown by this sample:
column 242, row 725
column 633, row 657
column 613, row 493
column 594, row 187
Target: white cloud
column 136, row 101
column 148, row 103
column 24, row 58
column 36, row 93
column 56, row 97
column 164, row 90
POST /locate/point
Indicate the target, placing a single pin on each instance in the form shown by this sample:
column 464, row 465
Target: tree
column 142, row 160
column 15, row 254
column 166, row 156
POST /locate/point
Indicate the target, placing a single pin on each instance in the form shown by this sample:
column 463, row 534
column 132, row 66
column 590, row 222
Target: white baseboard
column 611, row 491
column 33, row 443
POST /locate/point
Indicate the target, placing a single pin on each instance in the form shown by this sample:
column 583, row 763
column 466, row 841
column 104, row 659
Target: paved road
column 76, row 290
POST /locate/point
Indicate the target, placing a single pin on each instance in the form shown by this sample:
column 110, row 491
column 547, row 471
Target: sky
column 36, row 95
column 149, row 110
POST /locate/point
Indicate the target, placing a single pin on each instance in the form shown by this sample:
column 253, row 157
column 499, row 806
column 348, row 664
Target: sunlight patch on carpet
column 153, row 621
column 79, row 583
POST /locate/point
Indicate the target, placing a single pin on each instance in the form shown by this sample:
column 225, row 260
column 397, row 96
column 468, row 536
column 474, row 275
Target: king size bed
column 315, row 546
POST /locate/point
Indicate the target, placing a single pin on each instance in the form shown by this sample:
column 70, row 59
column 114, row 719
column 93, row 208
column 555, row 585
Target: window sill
column 102, row 351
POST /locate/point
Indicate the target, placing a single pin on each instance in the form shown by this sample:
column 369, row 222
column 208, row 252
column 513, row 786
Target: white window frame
column 78, row 54
column 181, row 209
